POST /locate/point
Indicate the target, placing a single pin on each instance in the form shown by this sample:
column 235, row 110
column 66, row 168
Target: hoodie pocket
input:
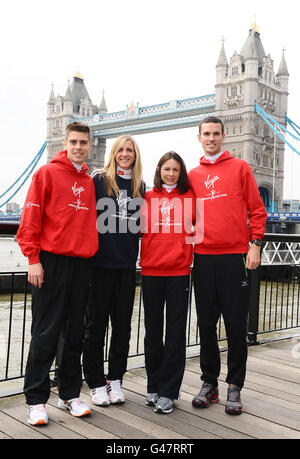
column 165, row 254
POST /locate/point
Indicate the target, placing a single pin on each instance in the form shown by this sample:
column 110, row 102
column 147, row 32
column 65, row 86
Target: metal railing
column 275, row 288
column 274, row 308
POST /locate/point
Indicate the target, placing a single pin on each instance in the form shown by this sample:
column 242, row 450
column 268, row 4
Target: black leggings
column 221, row 287
column 57, row 313
column 165, row 359
column 112, row 297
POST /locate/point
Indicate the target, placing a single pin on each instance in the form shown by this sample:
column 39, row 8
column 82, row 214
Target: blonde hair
column 110, row 169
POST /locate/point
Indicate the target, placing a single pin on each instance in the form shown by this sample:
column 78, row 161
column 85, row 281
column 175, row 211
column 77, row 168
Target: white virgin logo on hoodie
column 78, row 204
column 210, row 183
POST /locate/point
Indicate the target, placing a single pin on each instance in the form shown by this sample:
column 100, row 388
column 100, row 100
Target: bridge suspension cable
column 293, row 125
column 278, row 129
column 29, row 169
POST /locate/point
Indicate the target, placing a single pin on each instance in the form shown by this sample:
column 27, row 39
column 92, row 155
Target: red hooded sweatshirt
column 166, row 221
column 59, row 214
column 233, row 210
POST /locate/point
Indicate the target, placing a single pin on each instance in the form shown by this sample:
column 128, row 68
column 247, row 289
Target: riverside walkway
column 271, row 399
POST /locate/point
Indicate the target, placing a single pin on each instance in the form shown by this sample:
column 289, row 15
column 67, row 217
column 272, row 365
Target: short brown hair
column 183, row 182
column 211, row 119
column 78, row 127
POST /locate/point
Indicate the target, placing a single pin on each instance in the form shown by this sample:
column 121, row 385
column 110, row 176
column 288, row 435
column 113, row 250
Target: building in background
column 249, row 77
column 76, row 103
column 291, row 205
column 12, row 207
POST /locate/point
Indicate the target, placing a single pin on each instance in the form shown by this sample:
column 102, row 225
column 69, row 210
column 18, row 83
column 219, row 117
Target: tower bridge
column 246, row 79
column 176, row 114
column 245, row 82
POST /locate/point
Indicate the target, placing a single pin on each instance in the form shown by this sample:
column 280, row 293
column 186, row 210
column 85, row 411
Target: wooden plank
column 248, row 423
column 282, row 350
column 186, row 420
column 276, row 357
column 257, row 371
column 251, row 424
column 79, row 425
column 203, row 421
column 273, row 395
column 283, row 344
column 257, row 377
column 289, row 387
column 18, row 411
column 149, row 429
column 135, row 404
column 276, row 370
column 263, row 409
column 112, row 424
column 287, row 360
column 262, row 389
column 113, row 427
column 269, row 408
column 271, row 399
column 18, row 430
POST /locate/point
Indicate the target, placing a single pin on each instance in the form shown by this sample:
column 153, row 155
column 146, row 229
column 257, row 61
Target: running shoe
column 37, row 415
column 207, row 395
column 164, row 405
column 75, row 406
column 115, row 393
column 233, row 404
column 100, row 396
column 152, row 399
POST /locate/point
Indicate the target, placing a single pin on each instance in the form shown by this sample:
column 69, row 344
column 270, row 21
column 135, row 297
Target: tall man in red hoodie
column 234, row 223
column 58, row 235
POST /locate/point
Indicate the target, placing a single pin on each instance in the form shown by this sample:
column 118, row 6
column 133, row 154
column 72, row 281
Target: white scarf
column 78, row 166
column 169, row 188
column 213, row 158
column 124, row 173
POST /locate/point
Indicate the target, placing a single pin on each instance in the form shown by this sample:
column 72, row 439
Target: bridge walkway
column 271, row 399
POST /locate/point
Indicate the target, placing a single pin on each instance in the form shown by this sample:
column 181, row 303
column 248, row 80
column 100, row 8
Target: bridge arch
column 266, row 197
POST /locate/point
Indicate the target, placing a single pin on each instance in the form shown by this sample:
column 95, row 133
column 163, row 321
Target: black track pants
column 221, row 287
column 165, row 357
column 57, row 313
column 113, row 295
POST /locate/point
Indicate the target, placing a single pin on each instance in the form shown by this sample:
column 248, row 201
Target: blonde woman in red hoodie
column 166, row 257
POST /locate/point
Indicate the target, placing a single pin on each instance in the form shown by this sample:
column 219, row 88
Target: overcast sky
column 142, row 51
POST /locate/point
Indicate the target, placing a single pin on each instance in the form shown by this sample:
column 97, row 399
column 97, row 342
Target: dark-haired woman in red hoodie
column 166, row 257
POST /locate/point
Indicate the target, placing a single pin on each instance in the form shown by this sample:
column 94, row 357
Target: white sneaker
column 114, row 391
column 76, row 407
column 100, row 396
column 37, row 415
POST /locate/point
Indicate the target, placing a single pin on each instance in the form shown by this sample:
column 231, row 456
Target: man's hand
column 253, row 257
column 36, row 274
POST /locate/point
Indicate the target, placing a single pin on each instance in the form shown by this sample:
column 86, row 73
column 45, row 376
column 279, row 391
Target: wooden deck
column 271, row 399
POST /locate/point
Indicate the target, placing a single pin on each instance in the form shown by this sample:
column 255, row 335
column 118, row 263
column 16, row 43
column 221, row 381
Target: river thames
column 11, row 257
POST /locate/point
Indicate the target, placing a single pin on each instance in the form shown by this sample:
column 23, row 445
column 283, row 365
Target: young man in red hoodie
column 58, row 235
column 234, row 216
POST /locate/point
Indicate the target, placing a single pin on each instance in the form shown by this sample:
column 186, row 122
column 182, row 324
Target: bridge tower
column 247, row 78
column 75, row 104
